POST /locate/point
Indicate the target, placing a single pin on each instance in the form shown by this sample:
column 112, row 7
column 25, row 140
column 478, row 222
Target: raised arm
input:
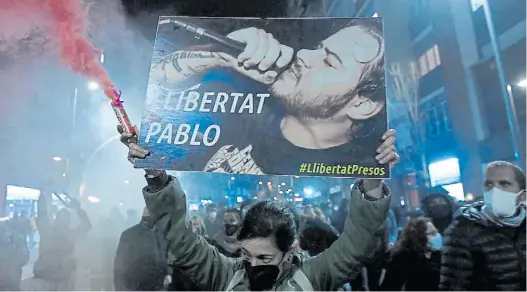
column 42, row 220
column 202, row 263
column 85, row 223
column 182, row 65
column 345, row 257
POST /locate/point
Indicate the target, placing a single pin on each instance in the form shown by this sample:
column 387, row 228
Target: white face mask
column 212, row 215
column 502, row 203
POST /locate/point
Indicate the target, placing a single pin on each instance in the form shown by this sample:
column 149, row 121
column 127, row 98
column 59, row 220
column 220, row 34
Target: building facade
column 460, row 121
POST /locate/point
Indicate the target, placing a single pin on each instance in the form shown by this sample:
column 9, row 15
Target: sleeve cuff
column 368, row 194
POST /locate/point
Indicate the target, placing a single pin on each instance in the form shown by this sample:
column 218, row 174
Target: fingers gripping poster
column 266, row 96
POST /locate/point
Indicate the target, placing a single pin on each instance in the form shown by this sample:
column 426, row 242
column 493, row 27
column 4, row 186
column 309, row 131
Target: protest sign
column 266, row 96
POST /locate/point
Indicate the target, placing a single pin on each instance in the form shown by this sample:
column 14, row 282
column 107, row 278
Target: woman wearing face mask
column 267, row 236
column 415, row 258
column 225, row 240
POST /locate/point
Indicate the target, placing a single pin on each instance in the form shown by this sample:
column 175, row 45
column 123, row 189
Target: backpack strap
column 302, row 280
column 238, row 276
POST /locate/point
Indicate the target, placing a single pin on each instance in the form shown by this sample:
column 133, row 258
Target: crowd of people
column 266, row 245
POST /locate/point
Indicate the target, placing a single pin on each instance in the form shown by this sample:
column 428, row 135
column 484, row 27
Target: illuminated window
column 423, row 67
column 432, row 124
column 429, row 60
column 444, row 172
column 444, row 120
column 436, row 54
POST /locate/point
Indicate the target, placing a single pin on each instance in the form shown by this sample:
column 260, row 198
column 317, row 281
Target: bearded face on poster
column 332, row 95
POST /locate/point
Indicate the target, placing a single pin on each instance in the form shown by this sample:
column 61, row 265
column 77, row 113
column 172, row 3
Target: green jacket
column 212, row 271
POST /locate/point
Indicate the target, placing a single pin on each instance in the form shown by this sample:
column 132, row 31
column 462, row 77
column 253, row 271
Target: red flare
column 64, row 22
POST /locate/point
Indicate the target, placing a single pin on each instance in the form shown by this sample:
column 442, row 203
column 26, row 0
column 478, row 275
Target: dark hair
column 316, row 238
column 235, row 211
column 519, row 175
column 268, row 218
column 413, row 237
column 247, row 203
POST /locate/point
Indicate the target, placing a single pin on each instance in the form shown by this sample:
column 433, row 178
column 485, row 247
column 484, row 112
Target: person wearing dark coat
column 55, row 268
column 485, row 244
column 415, row 259
column 316, row 236
column 14, row 254
column 225, row 239
column 439, row 207
column 141, row 260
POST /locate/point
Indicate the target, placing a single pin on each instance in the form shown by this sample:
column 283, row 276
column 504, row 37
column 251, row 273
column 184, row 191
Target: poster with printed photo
column 266, row 96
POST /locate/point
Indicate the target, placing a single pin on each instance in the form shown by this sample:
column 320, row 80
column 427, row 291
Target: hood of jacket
column 473, row 212
column 427, row 200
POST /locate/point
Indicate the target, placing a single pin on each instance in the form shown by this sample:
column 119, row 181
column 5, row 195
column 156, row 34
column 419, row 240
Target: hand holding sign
column 262, row 52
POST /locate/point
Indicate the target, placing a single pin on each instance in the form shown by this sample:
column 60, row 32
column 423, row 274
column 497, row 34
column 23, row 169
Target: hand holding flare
column 120, row 113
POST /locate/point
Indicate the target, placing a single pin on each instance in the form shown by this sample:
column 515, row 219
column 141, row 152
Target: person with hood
column 439, row 207
column 316, row 235
column 141, row 259
column 484, row 248
column 56, row 266
column 267, row 236
column 225, row 240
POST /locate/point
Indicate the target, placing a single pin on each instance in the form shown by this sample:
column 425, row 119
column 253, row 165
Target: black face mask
column 439, row 211
column 230, row 229
column 261, row 277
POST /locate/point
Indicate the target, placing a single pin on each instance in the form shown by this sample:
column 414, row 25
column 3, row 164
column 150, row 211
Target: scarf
column 513, row 221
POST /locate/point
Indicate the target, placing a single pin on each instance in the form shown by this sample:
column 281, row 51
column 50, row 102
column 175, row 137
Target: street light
column 92, row 85
column 57, row 158
column 93, row 199
column 522, row 83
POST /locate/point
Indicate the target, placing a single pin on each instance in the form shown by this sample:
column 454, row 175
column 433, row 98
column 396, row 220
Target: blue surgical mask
column 436, row 242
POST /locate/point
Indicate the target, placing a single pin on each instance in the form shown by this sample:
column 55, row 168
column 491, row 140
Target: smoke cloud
column 36, row 101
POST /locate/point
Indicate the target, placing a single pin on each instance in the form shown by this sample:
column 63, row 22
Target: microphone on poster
column 232, row 46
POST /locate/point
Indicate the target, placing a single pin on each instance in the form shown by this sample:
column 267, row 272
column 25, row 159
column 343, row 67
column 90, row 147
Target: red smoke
column 64, row 22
